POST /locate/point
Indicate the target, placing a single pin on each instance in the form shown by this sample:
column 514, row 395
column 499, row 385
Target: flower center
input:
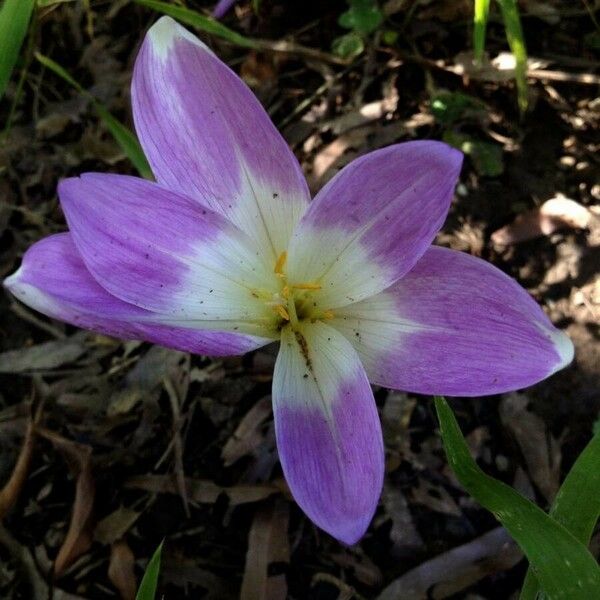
column 295, row 302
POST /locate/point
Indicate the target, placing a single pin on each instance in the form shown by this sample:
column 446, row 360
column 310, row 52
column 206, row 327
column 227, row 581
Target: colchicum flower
column 225, row 253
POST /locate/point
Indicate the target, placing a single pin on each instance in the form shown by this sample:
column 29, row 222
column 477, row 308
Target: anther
column 280, row 263
column 307, row 286
column 283, row 313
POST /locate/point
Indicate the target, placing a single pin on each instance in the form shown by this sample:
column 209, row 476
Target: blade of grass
column 516, row 42
column 564, row 566
column 147, row 589
column 123, row 135
column 576, row 506
column 195, row 19
column 14, row 21
column 482, row 10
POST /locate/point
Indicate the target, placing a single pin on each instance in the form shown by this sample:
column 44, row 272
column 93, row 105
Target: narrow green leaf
column 195, row 19
column 123, row 135
column 577, row 504
column 480, row 19
column 516, row 41
column 14, row 21
column 147, row 589
column 564, row 566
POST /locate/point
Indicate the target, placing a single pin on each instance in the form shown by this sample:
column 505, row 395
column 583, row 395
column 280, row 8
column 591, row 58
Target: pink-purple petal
column 54, row 281
column 372, row 222
column 163, row 252
column 454, row 325
column 207, row 136
column 328, row 430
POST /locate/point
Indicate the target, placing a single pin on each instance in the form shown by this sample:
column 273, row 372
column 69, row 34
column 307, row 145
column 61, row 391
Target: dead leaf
column 114, row 526
column 540, row 449
column 455, row 570
column 79, row 535
column 203, row 491
column 405, row 538
column 554, row 214
column 267, row 544
column 10, row 492
column 43, row 356
column 121, row 570
column 248, row 434
column 435, row 497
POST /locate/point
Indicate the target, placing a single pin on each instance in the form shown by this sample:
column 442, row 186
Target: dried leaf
column 43, row 356
column 114, row 526
column 540, row 449
column 435, row 497
column 203, row 491
column 121, row 570
column 248, row 435
column 267, row 544
column 10, row 492
column 403, row 534
column 449, row 573
column 554, row 214
column 79, row 536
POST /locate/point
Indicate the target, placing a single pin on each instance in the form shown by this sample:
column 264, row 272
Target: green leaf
column 564, row 566
column 147, row 589
column 577, row 504
column 363, row 16
column 449, row 107
column 123, row 135
column 480, row 19
column 195, row 19
column 14, row 21
column 487, row 157
column 348, row 46
column 516, row 41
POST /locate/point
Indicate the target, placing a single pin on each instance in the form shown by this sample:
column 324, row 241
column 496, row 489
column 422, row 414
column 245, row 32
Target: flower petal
column 206, row 135
column 372, row 222
column 454, row 325
column 54, row 281
column 328, row 431
column 165, row 253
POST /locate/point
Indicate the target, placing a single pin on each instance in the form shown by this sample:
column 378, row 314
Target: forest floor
column 121, row 425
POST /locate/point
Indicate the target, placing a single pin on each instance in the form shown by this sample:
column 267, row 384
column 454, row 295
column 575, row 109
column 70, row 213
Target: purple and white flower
column 225, row 253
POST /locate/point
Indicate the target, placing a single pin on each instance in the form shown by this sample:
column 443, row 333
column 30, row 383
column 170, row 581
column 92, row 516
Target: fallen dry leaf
column 554, row 214
column 10, row 492
column 540, row 449
column 248, row 434
column 114, row 526
column 455, row 570
column 267, row 544
column 203, row 491
column 79, row 535
column 121, row 570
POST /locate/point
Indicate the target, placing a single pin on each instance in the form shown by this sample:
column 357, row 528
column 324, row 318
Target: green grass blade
column 564, row 567
column 516, row 42
column 480, row 19
column 14, row 21
column 577, row 504
column 147, row 589
column 123, row 135
column 195, row 19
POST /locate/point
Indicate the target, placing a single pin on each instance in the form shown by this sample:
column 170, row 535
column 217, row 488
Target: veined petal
column 454, row 325
column 163, row 252
column 206, row 135
column 328, row 431
column 54, row 281
column 372, row 222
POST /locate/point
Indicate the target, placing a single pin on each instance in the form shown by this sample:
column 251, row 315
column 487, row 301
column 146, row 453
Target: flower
column 225, row 253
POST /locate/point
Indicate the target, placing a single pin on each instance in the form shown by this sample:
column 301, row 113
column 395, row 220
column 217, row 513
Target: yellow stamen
column 280, row 263
column 283, row 313
column 307, row 286
column 328, row 314
column 285, row 292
